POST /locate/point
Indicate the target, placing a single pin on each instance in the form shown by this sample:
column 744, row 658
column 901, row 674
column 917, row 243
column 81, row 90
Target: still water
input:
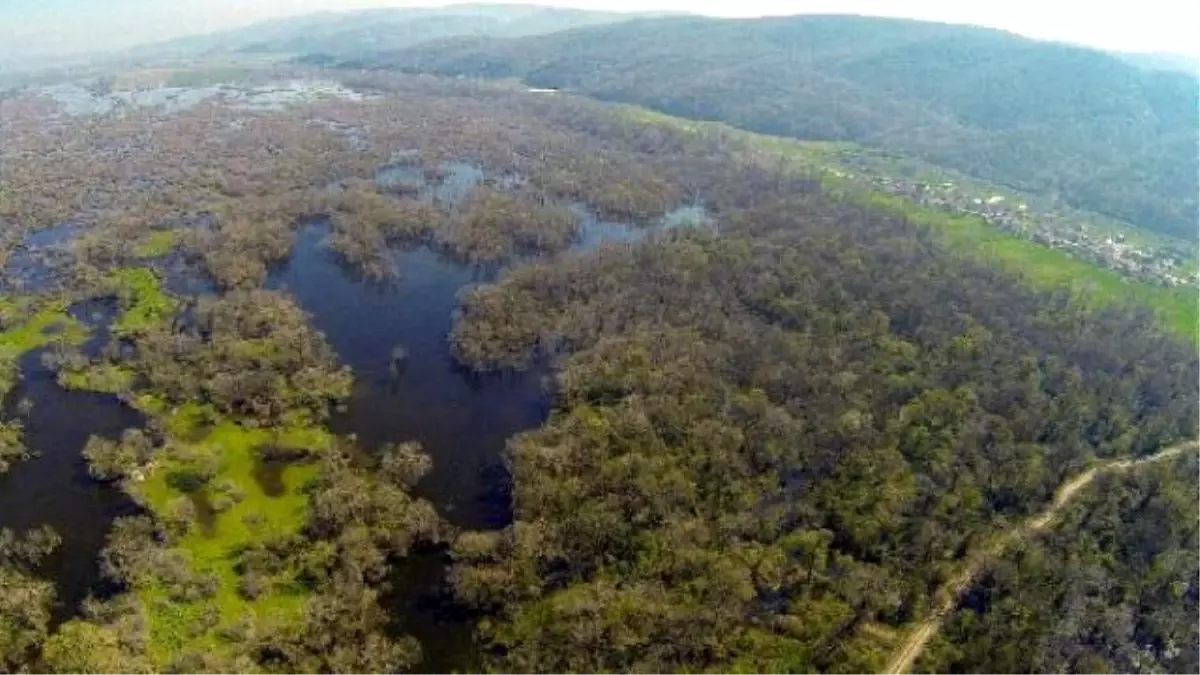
column 461, row 419
column 54, row 488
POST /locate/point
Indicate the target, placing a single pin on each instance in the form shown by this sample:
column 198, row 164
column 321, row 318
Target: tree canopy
column 1097, row 132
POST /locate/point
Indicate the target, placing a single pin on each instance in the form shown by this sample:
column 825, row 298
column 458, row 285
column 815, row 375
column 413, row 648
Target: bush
column 192, row 470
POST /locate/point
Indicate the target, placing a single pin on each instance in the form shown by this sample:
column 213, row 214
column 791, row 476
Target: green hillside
column 1092, row 130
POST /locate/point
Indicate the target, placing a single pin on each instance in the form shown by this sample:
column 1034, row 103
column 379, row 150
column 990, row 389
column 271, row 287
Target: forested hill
column 1100, row 133
column 346, row 34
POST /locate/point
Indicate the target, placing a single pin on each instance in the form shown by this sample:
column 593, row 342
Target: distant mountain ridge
column 1096, row 131
column 368, row 31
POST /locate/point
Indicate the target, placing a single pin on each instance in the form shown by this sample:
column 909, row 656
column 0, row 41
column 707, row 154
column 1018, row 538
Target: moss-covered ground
column 30, row 323
column 144, row 302
column 156, row 244
column 233, row 509
column 237, row 511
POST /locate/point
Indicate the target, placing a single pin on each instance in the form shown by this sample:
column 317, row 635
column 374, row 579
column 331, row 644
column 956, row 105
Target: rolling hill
column 1084, row 126
column 344, row 34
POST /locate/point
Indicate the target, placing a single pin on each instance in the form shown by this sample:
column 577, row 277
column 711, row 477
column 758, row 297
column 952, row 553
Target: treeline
column 769, row 441
column 247, row 355
column 1112, row 588
column 1100, row 134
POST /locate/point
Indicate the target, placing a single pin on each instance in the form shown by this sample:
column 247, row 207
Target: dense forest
column 1113, row 588
column 770, row 440
column 774, row 431
column 1097, row 132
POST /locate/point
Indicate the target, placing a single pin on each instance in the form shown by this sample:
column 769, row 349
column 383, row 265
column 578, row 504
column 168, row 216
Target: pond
column 453, row 185
column 35, row 263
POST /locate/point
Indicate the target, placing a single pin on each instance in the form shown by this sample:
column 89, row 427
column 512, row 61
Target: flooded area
column 34, row 264
column 455, row 180
column 77, row 101
column 54, row 488
column 460, row 418
column 394, row 335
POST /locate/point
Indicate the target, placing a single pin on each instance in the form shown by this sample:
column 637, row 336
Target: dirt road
column 946, row 597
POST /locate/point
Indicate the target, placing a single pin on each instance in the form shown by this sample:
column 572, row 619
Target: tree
column 81, row 647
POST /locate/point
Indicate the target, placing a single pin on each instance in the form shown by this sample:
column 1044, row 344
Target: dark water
column 34, row 264
column 461, row 419
column 422, row 605
column 54, row 488
column 97, row 314
column 268, row 473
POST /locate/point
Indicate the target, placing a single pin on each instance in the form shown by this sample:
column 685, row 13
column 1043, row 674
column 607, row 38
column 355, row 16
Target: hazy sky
column 59, row 26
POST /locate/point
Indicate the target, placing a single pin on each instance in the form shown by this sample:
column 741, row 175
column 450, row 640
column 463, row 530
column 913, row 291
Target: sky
column 74, row 26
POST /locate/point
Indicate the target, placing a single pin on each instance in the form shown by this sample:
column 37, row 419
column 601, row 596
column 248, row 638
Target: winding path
column 946, row 598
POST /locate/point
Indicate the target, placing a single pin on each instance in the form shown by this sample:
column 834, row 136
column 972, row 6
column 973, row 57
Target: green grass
column 48, row 324
column 198, row 433
column 31, row 327
column 175, row 626
column 146, row 305
column 109, row 378
column 156, row 244
column 1177, row 308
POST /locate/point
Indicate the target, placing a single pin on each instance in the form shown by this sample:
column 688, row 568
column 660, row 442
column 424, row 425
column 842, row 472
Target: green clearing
column 231, row 506
column 156, row 244
column 29, row 325
column 1044, row 267
column 103, row 377
column 47, row 324
column 145, row 302
column 1178, row 308
column 244, row 513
